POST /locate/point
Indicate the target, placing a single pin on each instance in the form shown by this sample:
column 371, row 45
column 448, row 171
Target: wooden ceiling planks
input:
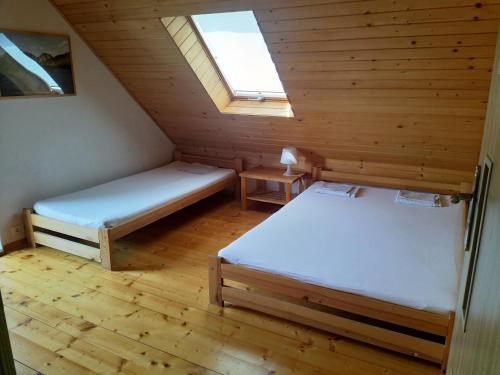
column 395, row 88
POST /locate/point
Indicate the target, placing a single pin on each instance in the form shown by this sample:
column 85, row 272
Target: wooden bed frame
column 418, row 333
column 96, row 243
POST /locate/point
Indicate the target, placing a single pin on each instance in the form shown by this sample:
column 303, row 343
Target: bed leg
column 106, row 247
column 215, row 281
column 447, row 344
column 177, row 155
column 238, row 167
column 315, row 173
column 28, row 227
column 237, row 189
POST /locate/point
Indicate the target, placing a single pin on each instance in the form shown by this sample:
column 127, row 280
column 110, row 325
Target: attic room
column 249, row 187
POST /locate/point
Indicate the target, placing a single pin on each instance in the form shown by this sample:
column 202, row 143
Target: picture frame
column 34, row 64
column 475, row 236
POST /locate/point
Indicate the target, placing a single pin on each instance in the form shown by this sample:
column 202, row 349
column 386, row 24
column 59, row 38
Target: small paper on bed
column 196, row 168
column 414, row 198
column 341, row 190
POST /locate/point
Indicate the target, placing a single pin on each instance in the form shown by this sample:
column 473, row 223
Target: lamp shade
column 289, row 156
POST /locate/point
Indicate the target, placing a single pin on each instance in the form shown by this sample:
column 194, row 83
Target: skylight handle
column 259, row 98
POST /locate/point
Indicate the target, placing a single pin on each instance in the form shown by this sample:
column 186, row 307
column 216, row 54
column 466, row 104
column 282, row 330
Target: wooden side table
column 261, row 194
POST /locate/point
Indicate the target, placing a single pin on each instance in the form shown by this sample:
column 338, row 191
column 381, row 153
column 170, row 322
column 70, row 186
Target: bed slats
column 68, row 246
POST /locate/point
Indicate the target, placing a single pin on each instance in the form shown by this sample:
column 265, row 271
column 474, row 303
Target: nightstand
column 262, row 194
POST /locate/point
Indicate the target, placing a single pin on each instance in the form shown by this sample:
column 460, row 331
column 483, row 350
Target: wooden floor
column 68, row 316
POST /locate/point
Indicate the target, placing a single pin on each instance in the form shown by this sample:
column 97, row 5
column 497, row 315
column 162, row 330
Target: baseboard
column 13, row 246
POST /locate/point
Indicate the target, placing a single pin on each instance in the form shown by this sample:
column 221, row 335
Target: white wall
column 50, row 146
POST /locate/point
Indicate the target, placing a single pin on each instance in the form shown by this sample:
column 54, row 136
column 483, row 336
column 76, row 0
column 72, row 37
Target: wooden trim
column 215, row 281
column 369, row 307
column 301, row 304
column 28, row 227
column 14, row 246
column 105, row 236
column 266, row 108
column 140, row 221
column 209, row 76
column 335, row 324
column 447, row 345
column 203, row 44
column 390, row 182
column 73, row 230
column 235, row 163
column 68, row 246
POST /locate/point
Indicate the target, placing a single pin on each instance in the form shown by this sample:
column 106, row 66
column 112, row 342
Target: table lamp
column 289, row 158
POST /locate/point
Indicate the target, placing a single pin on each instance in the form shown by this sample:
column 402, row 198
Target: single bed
column 366, row 268
column 86, row 222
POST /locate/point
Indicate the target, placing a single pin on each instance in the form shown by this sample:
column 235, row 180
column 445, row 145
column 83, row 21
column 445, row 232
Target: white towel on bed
column 414, row 198
column 341, row 190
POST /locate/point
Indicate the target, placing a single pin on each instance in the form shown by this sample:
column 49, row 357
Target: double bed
column 365, row 267
column 86, row 222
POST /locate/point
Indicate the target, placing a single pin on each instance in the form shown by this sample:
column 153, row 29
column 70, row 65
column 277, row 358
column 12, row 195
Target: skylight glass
column 237, row 46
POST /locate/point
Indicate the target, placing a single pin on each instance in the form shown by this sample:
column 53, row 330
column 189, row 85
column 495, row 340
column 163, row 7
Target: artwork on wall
column 34, row 64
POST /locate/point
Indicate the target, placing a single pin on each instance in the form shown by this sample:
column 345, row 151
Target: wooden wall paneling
column 321, row 21
column 397, row 88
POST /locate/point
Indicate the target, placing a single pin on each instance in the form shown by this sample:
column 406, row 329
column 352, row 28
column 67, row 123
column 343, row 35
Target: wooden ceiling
column 384, row 87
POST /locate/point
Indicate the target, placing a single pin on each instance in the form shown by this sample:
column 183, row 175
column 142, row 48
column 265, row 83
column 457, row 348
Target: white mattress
column 368, row 245
column 117, row 201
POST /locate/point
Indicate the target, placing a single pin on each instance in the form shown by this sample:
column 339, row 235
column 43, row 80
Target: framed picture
column 35, row 64
column 475, row 236
column 472, row 209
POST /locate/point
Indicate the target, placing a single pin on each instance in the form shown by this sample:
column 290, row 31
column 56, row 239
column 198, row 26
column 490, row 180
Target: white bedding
column 368, row 245
column 114, row 202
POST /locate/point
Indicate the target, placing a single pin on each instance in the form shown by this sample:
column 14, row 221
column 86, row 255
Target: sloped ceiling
column 388, row 87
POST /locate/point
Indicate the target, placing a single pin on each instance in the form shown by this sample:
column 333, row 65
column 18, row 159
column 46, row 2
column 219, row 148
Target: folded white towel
column 196, row 168
column 341, row 190
column 414, row 198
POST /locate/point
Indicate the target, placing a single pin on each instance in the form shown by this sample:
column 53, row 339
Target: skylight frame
column 237, row 94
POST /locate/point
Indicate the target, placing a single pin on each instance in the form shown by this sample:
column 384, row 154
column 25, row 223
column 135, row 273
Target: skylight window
column 240, row 52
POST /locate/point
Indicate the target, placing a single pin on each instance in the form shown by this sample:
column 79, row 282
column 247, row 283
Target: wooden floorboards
column 66, row 315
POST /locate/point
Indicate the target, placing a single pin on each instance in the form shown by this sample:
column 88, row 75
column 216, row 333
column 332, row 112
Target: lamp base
column 288, row 171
